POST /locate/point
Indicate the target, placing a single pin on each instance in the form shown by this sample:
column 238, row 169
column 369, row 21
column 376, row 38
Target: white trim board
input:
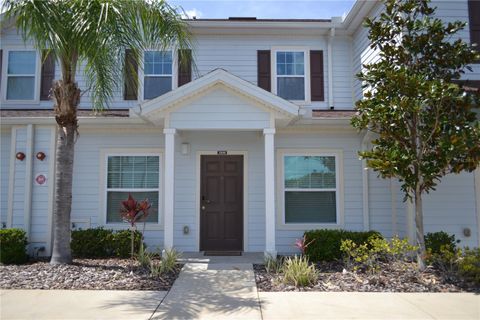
column 245, row 194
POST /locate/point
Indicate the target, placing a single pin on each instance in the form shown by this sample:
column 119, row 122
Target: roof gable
column 156, row 109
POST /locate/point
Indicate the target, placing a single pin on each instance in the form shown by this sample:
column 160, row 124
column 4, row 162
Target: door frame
column 245, row 193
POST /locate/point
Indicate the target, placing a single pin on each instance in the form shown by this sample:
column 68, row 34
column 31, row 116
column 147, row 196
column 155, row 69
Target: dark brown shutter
column 47, row 75
column 184, row 66
column 316, row 76
column 263, row 69
column 130, row 91
column 474, row 16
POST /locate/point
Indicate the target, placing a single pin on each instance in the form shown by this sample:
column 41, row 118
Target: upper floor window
column 158, row 73
column 21, row 70
column 290, row 75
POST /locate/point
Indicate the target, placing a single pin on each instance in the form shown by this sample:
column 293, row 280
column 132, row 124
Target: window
column 158, row 76
column 21, row 71
column 137, row 175
column 310, row 192
column 290, row 74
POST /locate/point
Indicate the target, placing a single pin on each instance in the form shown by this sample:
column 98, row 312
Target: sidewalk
column 228, row 291
column 369, row 305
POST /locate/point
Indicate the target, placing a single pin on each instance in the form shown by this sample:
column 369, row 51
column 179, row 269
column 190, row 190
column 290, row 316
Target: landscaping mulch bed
column 394, row 277
column 85, row 274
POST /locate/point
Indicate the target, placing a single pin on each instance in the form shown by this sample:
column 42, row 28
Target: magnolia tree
column 424, row 121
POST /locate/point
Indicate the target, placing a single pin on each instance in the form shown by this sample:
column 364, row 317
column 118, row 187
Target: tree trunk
column 67, row 96
column 63, row 194
column 419, row 229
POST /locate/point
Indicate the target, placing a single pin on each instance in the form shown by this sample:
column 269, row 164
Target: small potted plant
column 133, row 211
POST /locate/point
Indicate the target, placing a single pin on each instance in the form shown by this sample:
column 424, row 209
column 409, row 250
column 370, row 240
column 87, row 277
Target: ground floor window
column 310, row 188
column 138, row 175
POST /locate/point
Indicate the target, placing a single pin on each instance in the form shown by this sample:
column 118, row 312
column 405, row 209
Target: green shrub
column 103, row 243
column 325, row 243
column 299, row 272
column 469, row 265
column 369, row 255
column 436, row 242
column 442, row 252
column 122, row 243
column 92, row 243
column 13, row 244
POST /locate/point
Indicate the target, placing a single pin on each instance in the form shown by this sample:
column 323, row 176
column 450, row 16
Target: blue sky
column 275, row 9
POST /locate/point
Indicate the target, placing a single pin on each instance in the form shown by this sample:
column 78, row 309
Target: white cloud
column 192, row 13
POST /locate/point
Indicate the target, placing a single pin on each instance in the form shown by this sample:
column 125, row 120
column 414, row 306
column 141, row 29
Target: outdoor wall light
column 185, row 148
column 20, row 156
column 40, row 156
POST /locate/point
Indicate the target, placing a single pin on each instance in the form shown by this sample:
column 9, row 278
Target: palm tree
column 94, row 33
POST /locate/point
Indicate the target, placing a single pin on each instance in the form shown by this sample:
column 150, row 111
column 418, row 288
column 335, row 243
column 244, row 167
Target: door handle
column 203, row 207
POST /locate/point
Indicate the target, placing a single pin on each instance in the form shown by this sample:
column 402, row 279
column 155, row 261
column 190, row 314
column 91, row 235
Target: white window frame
column 339, row 190
column 306, row 56
column 36, row 87
column 141, row 73
column 126, row 152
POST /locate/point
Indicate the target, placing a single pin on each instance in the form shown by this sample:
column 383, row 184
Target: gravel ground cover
column 394, row 277
column 85, row 274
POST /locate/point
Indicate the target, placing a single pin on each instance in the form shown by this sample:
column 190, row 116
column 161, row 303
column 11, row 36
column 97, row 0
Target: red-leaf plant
column 133, row 211
column 302, row 244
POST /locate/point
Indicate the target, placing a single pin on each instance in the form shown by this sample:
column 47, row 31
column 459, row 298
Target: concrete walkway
column 212, row 291
column 228, row 291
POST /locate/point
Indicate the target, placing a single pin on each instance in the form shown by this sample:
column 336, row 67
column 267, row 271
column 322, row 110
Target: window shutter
column 264, row 69
column 184, row 66
column 316, row 76
column 130, row 91
column 47, row 75
column 474, row 16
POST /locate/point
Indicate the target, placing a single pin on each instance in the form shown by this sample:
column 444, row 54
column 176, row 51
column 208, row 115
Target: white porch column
column 270, row 249
column 169, row 186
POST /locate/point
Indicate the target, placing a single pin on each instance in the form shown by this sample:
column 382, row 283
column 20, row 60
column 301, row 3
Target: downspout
column 477, row 201
column 365, row 188
column 331, row 104
column 393, row 195
column 27, row 204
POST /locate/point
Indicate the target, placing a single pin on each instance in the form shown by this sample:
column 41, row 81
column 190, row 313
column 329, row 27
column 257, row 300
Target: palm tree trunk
column 63, row 194
column 67, row 97
column 419, row 229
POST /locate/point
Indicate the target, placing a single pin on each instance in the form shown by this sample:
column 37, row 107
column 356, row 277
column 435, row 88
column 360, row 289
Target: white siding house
column 254, row 149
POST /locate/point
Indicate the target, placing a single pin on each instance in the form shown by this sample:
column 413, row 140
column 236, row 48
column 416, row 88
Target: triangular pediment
column 217, row 96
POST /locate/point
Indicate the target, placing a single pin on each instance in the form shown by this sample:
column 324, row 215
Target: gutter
column 81, row 120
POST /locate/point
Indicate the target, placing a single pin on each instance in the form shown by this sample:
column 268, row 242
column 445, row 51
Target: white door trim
column 245, row 194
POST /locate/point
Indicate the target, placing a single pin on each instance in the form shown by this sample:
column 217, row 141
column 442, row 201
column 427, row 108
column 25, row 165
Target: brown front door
column 221, row 203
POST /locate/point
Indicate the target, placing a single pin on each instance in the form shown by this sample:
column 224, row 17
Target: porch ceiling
column 219, row 100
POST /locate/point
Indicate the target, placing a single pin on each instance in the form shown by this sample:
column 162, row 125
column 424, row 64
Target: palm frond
column 92, row 35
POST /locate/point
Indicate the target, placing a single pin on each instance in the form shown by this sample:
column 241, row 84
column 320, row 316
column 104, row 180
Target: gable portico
column 219, row 102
